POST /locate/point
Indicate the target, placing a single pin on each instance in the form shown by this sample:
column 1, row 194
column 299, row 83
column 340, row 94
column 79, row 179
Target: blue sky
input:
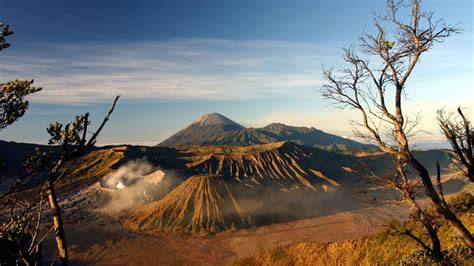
column 256, row 62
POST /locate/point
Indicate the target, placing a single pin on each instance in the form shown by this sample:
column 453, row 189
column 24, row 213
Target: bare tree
column 388, row 188
column 74, row 143
column 395, row 49
column 460, row 134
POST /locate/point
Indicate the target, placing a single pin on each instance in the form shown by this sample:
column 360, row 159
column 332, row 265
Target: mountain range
column 217, row 175
column 216, row 129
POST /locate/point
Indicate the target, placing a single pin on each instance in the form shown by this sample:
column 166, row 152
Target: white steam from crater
column 128, row 174
column 120, row 185
column 136, row 182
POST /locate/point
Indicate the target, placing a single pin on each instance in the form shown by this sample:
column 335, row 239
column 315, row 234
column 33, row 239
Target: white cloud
column 183, row 69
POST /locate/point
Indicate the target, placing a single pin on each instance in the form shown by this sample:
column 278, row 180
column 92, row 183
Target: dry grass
column 381, row 248
column 92, row 166
column 83, row 171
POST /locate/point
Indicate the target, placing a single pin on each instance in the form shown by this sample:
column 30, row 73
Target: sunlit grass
column 381, row 248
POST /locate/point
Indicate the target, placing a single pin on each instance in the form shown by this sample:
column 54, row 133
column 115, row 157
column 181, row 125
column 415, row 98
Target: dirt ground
column 99, row 239
column 103, row 241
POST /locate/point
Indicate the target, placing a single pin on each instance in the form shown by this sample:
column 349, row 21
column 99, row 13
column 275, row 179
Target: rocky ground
column 95, row 234
column 95, row 237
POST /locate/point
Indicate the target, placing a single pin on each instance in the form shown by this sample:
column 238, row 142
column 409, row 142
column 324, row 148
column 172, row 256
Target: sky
column 256, row 62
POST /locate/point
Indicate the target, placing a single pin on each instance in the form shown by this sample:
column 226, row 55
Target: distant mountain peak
column 212, row 119
column 216, row 129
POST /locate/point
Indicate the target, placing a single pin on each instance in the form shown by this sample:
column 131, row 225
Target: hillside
column 282, row 165
column 216, row 129
column 79, row 173
column 15, row 153
column 371, row 250
column 216, row 135
column 202, row 203
column 218, row 188
column 239, row 187
column 312, row 137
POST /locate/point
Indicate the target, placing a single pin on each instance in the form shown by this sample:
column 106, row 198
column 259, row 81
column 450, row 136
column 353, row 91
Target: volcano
column 216, row 129
column 210, row 129
column 234, row 187
column 213, row 119
column 202, row 203
column 225, row 187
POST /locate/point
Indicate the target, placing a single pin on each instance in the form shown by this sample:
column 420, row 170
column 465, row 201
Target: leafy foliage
column 38, row 162
column 12, row 100
column 463, row 203
column 458, row 255
column 14, row 237
column 69, row 134
column 417, row 257
column 4, row 32
column 12, row 94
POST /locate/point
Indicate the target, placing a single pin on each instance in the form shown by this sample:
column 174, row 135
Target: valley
column 214, row 204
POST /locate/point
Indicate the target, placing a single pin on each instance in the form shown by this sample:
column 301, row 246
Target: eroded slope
column 201, row 203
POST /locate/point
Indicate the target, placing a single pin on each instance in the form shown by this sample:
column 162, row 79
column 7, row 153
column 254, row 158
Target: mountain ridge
column 236, row 187
column 216, row 129
column 232, row 187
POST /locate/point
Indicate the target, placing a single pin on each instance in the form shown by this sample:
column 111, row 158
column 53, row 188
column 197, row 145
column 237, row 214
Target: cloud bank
column 183, row 69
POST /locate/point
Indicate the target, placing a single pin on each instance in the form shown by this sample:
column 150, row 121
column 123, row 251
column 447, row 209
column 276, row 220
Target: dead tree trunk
column 59, row 235
column 435, row 249
column 440, row 204
column 70, row 152
column 408, row 194
column 363, row 87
